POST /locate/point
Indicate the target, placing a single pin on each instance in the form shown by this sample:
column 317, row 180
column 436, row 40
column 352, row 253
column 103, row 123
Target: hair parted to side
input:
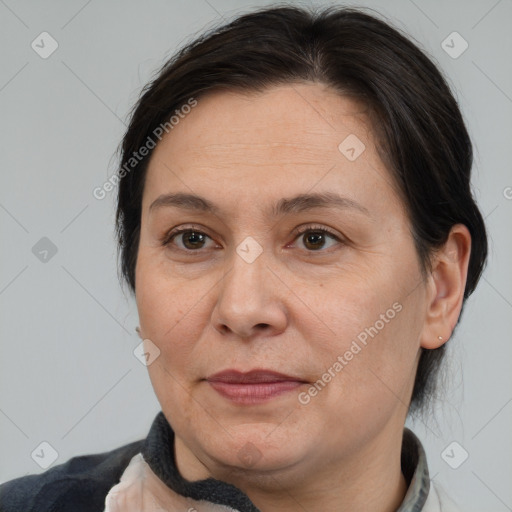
column 418, row 126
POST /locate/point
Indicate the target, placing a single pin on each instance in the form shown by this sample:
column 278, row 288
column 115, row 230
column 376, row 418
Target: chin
column 253, row 447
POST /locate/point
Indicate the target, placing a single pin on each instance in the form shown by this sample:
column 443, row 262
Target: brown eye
column 314, row 239
column 191, row 240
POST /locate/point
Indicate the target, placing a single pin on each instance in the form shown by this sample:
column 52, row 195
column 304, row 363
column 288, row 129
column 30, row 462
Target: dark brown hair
column 421, row 134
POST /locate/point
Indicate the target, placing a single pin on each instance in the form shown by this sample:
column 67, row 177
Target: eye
column 314, row 237
column 191, row 239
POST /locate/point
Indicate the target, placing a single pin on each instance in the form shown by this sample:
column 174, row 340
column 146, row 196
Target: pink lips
column 252, row 387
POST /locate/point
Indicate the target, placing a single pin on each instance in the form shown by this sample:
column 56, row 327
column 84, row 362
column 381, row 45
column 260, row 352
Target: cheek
column 170, row 312
column 372, row 327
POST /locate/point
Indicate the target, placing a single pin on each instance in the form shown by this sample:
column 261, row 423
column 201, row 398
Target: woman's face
column 253, row 285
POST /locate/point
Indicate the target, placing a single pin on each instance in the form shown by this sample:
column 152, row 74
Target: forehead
column 284, row 117
column 287, row 137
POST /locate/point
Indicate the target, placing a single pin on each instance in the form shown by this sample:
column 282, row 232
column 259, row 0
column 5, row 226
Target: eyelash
column 168, row 237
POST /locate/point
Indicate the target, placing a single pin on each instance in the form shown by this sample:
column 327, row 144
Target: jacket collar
column 158, row 452
column 415, row 470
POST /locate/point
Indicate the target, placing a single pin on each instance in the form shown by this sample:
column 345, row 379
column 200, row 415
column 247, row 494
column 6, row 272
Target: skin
column 295, row 308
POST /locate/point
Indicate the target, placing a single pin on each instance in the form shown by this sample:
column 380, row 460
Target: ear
column 446, row 285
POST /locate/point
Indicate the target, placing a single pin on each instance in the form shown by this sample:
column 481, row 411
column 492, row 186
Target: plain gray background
column 68, row 373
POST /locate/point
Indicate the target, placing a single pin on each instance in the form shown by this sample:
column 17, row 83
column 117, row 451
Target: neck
column 370, row 490
column 369, row 480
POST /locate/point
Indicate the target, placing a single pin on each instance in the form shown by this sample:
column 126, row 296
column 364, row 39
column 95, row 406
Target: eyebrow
column 295, row 204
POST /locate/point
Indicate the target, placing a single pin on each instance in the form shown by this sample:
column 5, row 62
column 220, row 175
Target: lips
column 251, row 377
column 253, row 387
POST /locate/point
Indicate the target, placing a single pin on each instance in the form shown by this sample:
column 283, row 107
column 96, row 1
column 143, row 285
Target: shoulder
column 82, row 481
column 439, row 501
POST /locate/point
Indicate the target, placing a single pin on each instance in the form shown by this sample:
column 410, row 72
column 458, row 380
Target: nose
column 249, row 303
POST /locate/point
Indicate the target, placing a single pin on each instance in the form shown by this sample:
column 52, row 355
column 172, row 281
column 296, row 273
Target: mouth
column 253, row 387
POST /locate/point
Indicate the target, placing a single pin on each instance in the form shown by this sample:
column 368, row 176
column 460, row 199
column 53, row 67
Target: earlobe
column 447, row 285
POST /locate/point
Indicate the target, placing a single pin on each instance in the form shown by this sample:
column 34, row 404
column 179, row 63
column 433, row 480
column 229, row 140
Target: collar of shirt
column 152, row 481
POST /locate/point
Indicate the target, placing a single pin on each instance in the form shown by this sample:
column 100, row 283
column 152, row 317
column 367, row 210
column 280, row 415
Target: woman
column 296, row 222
